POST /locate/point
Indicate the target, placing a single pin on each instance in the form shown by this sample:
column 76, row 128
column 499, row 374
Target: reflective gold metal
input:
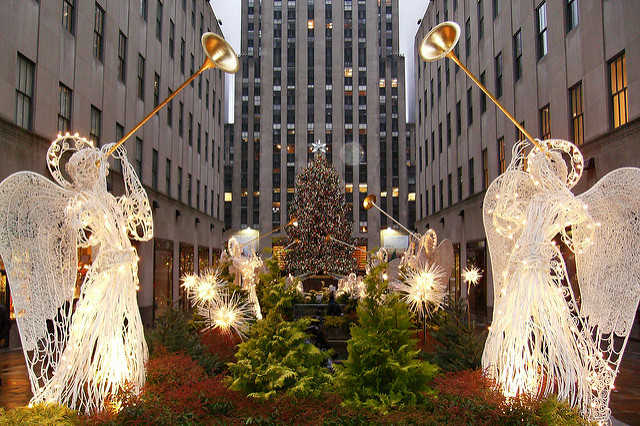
column 370, row 201
column 220, row 55
column 439, row 43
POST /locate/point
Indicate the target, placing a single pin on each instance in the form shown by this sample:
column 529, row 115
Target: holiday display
column 383, row 369
column 543, row 337
column 422, row 273
column 320, row 207
column 471, row 275
column 246, row 271
column 76, row 356
column 219, row 308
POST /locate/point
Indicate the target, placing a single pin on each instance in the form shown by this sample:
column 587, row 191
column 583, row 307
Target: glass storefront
column 186, row 267
column 477, row 255
column 162, row 275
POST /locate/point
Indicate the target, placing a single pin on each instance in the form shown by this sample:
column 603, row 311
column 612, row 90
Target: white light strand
column 541, row 340
column 76, row 360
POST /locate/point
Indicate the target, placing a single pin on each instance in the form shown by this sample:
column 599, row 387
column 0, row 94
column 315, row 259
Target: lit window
column 363, row 187
column 348, row 72
column 310, row 24
column 545, row 123
column 619, row 101
column 577, row 123
column 411, row 196
column 395, row 192
column 382, row 82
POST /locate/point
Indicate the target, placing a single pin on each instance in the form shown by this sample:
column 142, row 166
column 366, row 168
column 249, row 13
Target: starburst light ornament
column 542, row 338
column 76, row 357
column 319, row 147
column 471, row 275
column 422, row 288
column 228, row 313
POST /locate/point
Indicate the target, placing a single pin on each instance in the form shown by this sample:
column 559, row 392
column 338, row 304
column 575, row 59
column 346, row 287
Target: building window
column 180, row 121
column 159, row 21
column 448, row 128
column 485, row 169
column 471, row 178
column 572, row 14
column 137, row 163
column 496, row 8
column 483, row 97
column 122, row 56
column 154, row 169
column 439, row 138
column 467, row 33
column 517, row 56
column 469, row 106
column 98, row 33
column 189, row 193
column 460, row 183
column 499, row 75
column 24, row 92
column 519, row 135
column 458, row 118
column 169, row 109
column 577, row 124
column 96, row 125
column 619, row 101
column 182, row 48
column 199, row 137
column 140, row 76
column 156, row 89
column 168, row 177
column 541, row 21
column 143, row 9
column 449, row 190
column 190, row 129
column 501, row 159
column 180, row 184
column 64, row 111
column 480, row 20
column 68, row 11
column 545, row 123
column 172, row 36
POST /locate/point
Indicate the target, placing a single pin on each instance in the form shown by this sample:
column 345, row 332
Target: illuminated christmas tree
column 323, row 217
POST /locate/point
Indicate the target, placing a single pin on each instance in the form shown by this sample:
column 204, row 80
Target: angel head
column 548, row 166
column 84, row 167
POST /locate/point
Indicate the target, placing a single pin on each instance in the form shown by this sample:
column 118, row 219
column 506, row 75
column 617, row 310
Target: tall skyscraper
column 326, row 71
column 566, row 70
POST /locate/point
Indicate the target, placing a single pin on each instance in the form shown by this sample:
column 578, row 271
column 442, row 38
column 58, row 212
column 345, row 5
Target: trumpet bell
column 220, row 53
column 369, row 201
column 439, row 41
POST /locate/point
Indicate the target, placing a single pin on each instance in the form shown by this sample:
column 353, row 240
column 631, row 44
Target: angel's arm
column 135, row 203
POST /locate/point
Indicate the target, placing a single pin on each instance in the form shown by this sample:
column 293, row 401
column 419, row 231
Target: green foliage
column 39, row 414
column 175, row 333
column 550, row 411
column 460, row 345
column 273, row 293
column 278, row 357
column 383, row 370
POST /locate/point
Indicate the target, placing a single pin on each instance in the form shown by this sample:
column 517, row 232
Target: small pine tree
column 459, row 346
column 279, row 356
column 319, row 206
column 383, row 369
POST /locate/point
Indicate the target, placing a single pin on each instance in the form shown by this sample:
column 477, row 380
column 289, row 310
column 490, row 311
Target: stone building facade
column 325, row 71
column 97, row 68
column 566, row 69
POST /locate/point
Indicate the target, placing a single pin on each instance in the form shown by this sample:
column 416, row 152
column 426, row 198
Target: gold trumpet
column 439, row 43
column 293, row 222
column 219, row 54
column 370, row 201
column 330, row 237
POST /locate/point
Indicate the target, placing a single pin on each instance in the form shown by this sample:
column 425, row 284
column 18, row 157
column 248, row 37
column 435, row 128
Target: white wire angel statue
column 76, row 356
column 425, row 272
column 246, row 269
column 552, row 332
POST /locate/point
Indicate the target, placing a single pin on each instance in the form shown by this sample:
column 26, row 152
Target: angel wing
column 504, row 210
column 38, row 243
column 609, row 266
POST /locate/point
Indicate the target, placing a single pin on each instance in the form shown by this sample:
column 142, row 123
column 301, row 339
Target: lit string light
column 94, row 352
